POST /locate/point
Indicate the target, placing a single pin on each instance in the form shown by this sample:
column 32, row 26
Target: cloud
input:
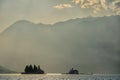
column 96, row 5
column 104, row 4
column 96, row 9
column 62, row 6
column 115, row 6
column 78, row 1
column 92, row 4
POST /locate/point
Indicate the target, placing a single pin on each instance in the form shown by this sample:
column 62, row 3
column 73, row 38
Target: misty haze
column 60, row 36
column 88, row 44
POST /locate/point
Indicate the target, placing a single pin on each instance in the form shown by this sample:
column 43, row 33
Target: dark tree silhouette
column 26, row 68
column 72, row 71
column 29, row 69
column 35, row 68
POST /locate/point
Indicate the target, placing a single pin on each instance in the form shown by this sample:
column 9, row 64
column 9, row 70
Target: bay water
column 59, row 77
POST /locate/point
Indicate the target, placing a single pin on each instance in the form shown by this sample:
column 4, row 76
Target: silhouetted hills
column 91, row 42
column 93, row 22
column 5, row 70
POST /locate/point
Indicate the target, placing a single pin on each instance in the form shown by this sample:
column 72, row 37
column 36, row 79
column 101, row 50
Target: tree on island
column 35, row 68
column 29, row 69
column 72, row 71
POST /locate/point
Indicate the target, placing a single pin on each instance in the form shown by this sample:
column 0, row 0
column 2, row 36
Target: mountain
column 5, row 70
column 91, row 43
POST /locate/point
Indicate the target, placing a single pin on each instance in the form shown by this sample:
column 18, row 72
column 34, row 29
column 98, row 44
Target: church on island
column 29, row 69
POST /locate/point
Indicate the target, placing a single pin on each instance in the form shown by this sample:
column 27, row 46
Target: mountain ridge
column 89, row 42
column 80, row 20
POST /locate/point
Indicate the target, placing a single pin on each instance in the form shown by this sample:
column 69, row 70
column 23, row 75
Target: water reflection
column 57, row 77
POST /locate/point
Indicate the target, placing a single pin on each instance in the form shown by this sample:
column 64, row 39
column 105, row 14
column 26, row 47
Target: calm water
column 58, row 77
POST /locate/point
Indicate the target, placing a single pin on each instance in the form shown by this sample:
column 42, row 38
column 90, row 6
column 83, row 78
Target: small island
column 73, row 71
column 29, row 69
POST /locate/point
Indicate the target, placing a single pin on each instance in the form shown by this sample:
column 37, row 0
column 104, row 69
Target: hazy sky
column 35, row 11
column 51, row 11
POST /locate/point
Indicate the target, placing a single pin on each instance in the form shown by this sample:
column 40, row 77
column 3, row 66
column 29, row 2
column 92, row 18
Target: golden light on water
column 54, row 74
column 10, row 74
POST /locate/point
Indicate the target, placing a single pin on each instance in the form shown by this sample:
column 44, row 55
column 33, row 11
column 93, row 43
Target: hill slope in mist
column 91, row 43
column 5, row 70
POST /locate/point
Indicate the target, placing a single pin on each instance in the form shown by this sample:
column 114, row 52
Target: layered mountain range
column 91, row 43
